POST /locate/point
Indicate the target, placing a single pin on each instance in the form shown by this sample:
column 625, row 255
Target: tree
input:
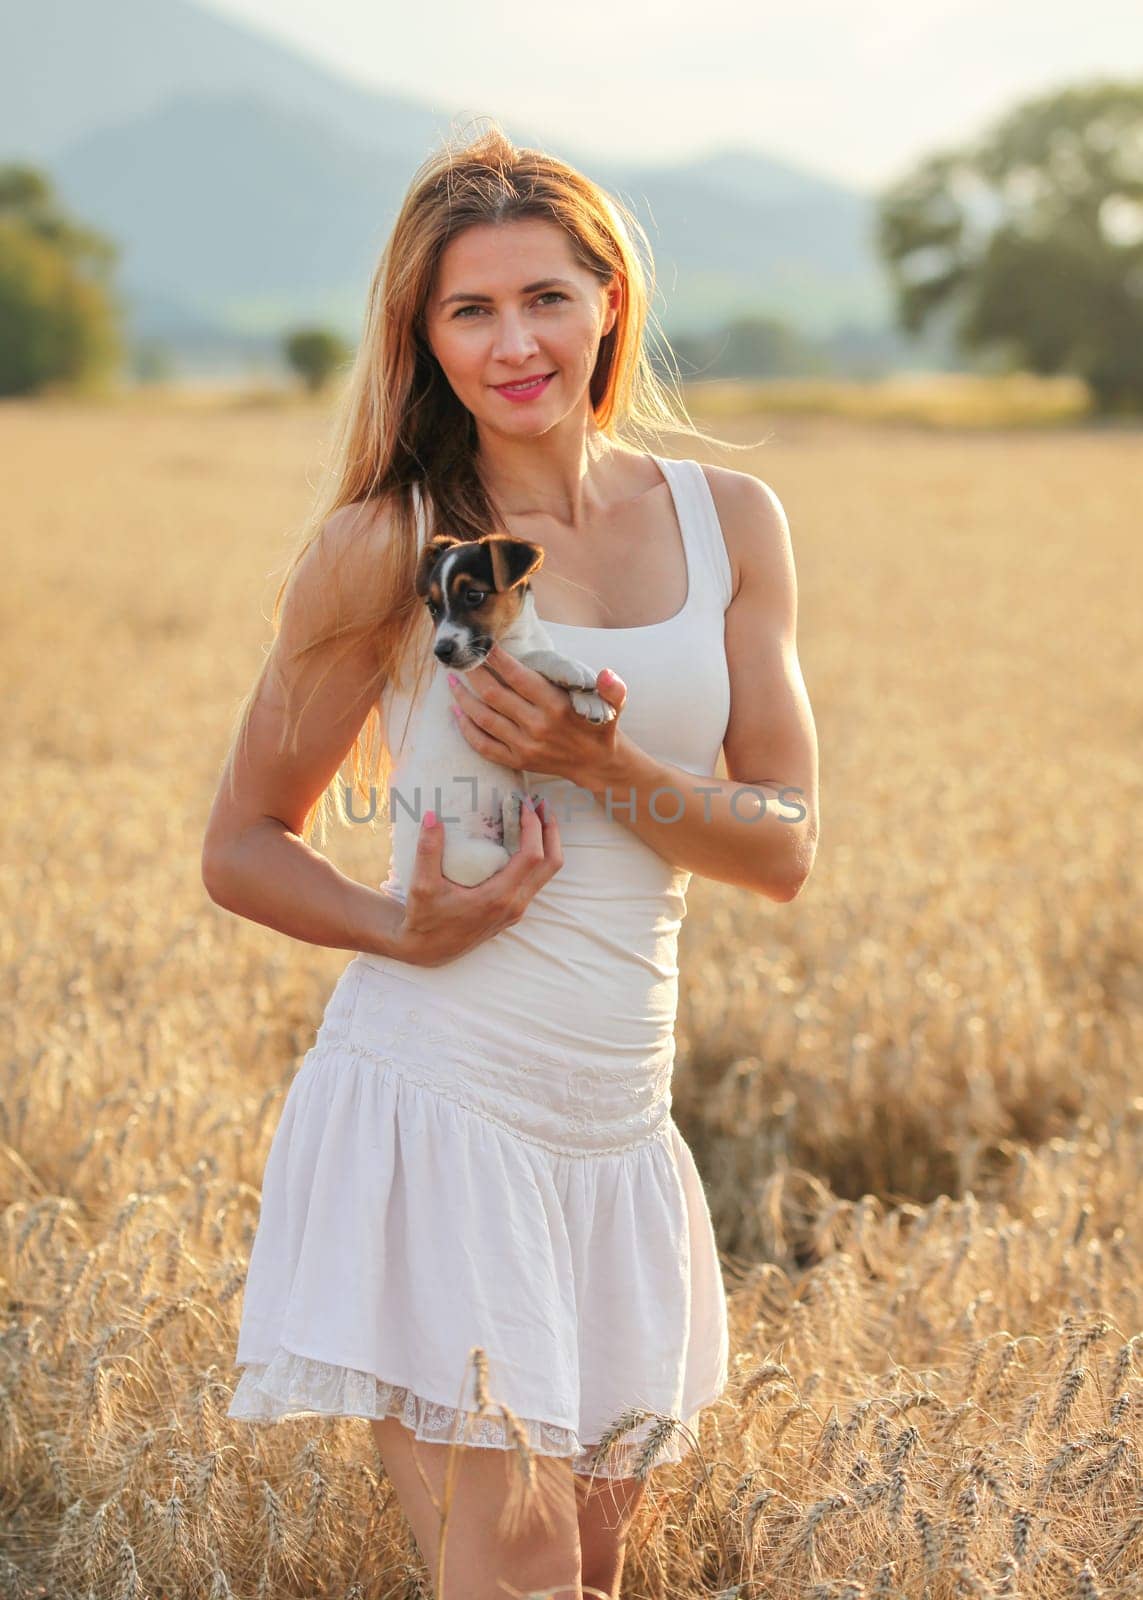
column 59, row 322
column 315, row 354
column 1031, row 239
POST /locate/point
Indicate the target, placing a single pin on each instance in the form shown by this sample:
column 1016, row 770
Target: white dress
column 483, row 1154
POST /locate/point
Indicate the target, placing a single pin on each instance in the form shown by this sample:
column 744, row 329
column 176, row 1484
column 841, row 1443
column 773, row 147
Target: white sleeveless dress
column 483, row 1154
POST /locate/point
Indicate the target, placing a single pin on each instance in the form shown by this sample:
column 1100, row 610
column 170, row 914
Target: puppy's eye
column 474, row 597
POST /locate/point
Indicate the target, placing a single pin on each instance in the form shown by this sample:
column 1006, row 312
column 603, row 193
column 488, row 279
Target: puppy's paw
column 513, row 807
column 468, row 861
column 559, row 669
column 510, row 813
column 592, row 706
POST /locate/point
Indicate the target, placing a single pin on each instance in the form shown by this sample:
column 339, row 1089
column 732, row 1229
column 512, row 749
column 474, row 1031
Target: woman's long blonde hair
column 399, row 425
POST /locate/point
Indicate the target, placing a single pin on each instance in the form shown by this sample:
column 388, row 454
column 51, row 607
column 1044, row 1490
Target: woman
column 477, row 1158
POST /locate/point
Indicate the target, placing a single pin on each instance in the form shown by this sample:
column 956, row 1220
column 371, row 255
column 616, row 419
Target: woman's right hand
column 444, row 919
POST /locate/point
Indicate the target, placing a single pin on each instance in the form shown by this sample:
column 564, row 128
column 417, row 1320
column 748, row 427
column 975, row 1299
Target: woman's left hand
column 518, row 718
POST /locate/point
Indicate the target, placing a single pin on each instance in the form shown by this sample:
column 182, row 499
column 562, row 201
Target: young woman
column 479, row 1220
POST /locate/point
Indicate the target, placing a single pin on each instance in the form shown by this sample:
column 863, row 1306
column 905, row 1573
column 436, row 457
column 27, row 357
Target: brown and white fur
column 477, row 593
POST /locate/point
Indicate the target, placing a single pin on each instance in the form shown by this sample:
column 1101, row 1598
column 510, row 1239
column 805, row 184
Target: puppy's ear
column 512, row 560
column 428, row 559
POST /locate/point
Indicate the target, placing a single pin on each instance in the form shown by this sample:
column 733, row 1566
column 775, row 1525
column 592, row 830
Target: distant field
column 938, row 400
column 914, row 1093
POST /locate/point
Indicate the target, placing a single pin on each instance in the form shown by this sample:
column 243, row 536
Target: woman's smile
column 525, row 388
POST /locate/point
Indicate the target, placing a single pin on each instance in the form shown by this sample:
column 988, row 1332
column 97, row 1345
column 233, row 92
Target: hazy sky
column 851, row 88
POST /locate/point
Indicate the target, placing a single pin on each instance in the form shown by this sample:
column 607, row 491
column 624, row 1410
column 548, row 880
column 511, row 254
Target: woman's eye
column 549, row 294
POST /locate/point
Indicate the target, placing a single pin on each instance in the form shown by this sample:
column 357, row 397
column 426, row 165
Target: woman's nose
column 513, row 337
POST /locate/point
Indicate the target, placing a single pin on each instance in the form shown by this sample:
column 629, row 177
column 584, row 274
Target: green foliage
column 316, row 354
column 1032, row 239
column 59, row 321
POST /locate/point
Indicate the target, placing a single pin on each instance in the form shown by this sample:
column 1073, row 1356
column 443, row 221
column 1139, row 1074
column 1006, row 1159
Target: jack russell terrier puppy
column 477, row 593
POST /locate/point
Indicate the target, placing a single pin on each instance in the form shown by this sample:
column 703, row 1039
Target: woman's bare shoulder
column 359, row 528
column 752, row 517
column 340, row 566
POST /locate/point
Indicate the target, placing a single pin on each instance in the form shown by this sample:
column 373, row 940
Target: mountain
column 744, row 174
column 245, row 212
column 69, row 68
column 251, row 189
column 757, row 237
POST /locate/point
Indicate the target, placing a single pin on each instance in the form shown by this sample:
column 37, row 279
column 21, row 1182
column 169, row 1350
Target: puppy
column 478, row 594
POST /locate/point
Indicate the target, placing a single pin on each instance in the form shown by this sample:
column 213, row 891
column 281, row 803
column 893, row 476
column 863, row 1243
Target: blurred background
column 198, row 191
column 899, row 254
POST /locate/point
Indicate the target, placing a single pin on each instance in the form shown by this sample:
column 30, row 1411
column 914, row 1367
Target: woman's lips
column 532, row 388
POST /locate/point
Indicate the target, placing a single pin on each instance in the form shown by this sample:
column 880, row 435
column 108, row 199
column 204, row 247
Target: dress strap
column 422, row 520
column 702, row 531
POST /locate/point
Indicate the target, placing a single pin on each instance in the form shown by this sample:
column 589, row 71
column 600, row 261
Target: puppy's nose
column 444, row 649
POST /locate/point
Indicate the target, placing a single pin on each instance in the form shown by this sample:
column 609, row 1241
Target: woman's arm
column 758, row 831
column 254, row 861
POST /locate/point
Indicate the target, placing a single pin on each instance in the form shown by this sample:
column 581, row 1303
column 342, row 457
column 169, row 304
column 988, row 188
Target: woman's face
column 493, row 318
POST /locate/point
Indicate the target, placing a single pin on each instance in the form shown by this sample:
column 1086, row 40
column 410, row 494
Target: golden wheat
column 913, row 1092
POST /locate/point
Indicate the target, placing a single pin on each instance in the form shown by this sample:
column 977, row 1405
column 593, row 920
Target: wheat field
column 914, row 1092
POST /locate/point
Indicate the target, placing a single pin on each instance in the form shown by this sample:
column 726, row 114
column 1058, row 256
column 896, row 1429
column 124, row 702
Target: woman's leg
column 605, row 1507
column 496, row 1543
